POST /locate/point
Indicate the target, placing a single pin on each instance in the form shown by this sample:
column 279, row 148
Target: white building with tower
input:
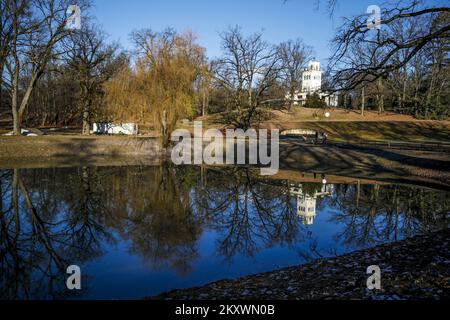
column 312, row 77
column 307, row 203
column 312, row 84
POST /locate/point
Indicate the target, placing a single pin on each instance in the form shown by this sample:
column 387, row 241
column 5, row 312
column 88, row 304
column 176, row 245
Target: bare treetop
column 363, row 53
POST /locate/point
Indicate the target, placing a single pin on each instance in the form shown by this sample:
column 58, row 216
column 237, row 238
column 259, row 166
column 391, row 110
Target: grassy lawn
column 343, row 125
column 350, row 125
column 417, row 131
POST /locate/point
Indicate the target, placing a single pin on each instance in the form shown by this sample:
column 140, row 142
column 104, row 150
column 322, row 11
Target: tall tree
column 38, row 27
column 294, row 55
column 92, row 63
column 163, row 84
column 248, row 68
column 400, row 61
column 382, row 44
column 6, row 28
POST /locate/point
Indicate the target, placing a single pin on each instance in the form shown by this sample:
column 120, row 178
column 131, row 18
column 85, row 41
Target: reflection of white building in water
column 306, row 203
column 312, row 83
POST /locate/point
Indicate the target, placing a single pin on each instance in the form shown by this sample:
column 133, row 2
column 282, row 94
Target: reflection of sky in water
column 210, row 267
column 131, row 277
column 121, row 271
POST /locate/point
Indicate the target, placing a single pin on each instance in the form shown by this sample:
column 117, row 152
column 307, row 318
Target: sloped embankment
column 415, row 268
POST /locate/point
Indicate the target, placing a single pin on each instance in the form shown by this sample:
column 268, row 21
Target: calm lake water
column 141, row 230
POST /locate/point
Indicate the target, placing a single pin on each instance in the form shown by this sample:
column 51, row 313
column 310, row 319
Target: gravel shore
column 415, row 268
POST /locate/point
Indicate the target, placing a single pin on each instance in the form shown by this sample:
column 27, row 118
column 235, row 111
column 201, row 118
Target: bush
column 314, row 101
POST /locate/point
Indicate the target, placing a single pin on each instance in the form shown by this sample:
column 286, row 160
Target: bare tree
column 382, row 44
column 6, row 28
column 294, row 55
column 37, row 27
column 205, row 87
column 92, row 63
column 248, row 68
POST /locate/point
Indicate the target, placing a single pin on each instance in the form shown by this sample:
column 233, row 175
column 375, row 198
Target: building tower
column 312, row 77
column 306, row 208
column 312, row 83
column 307, row 203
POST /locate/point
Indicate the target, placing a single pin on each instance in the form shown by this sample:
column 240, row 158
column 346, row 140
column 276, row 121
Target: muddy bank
column 77, row 146
column 428, row 168
column 416, row 268
column 79, row 161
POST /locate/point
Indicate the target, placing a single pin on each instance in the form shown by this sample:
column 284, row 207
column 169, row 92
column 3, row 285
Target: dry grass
column 342, row 125
column 402, row 131
column 350, row 125
column 310, row 114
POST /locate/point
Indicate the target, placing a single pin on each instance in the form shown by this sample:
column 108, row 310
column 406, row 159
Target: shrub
column 314, row 101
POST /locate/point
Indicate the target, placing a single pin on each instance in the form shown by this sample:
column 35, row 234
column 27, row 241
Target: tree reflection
column 52, row 218
column 156, row 217
column 248, row 213
column 378, row 213
column 41, row 233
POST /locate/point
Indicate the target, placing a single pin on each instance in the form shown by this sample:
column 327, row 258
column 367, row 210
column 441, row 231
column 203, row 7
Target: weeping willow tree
column 124, row 102
column 162, row 87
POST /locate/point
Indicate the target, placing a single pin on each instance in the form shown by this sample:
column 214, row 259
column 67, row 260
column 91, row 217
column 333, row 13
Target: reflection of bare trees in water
column 51, row 218
column 377, row 213
column 248, row 213
column 156, row 217
column 42, row 232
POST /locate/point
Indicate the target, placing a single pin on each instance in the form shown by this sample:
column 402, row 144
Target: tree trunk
column 17, row 110
column 291, row 99
column 363, row 101
column 1, row 85
column 44, row 118
column 380, row 96
column 17, row 119
column 86, row 126
column 14, row 99
column 17, row 130
column 428, row 99
column 358, row 193
column 28, row 92
column 405, row 79
column 15, row 199
column 204, row 103
column 164, row 133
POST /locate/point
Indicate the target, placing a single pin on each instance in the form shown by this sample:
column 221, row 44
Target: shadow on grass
column 387, row 131
column 359, row 162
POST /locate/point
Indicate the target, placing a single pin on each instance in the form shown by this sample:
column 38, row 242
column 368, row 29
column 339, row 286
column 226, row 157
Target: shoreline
column 414, row 268
column 383, row 164
column 77, row 146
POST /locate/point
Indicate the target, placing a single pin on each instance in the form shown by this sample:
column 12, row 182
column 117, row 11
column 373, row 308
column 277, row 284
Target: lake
column 137, row 231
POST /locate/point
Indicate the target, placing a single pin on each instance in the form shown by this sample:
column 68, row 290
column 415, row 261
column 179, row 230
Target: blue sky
column 279, row 20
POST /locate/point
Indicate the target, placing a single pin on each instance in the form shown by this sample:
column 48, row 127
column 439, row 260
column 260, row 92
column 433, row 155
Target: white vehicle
column 112, row 128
